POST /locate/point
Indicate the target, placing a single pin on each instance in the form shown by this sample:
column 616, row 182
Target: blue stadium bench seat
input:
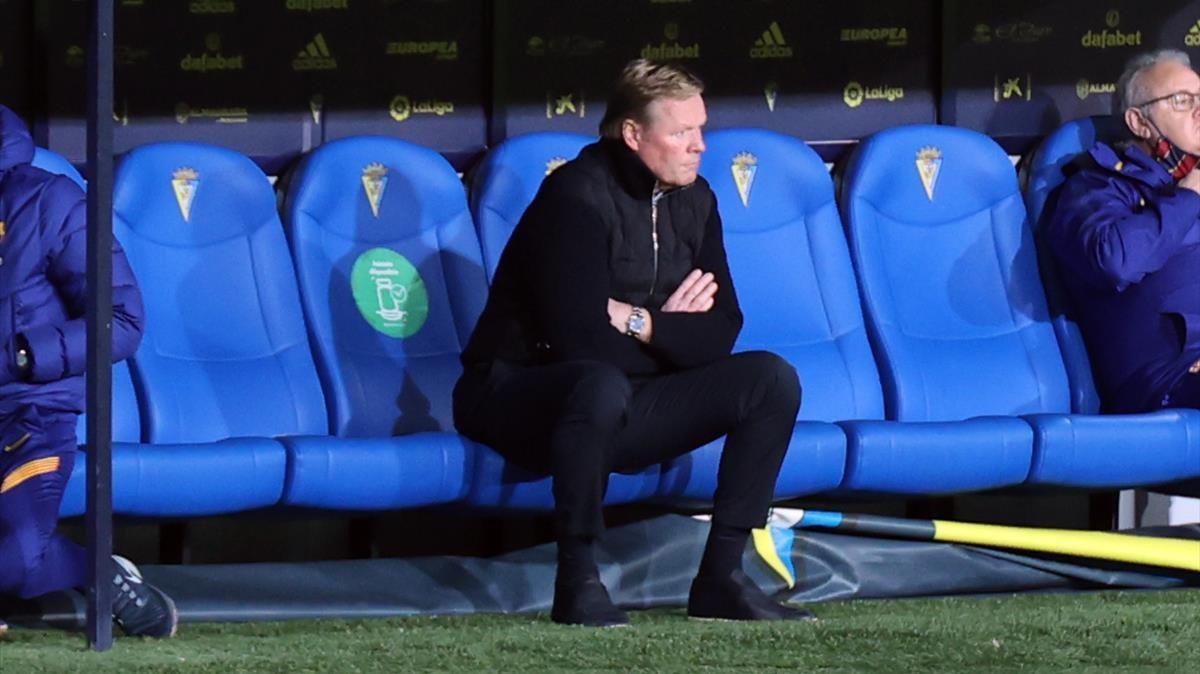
column 957, row 323
column 505, row 184
column 958, row 318
column 788, row 258
column 146, row 478
column 1171, row 437
column 224, row 365
column 391, row 285
column 506, row 181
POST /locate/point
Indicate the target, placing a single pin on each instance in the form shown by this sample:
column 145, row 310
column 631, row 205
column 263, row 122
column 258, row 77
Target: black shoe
column 141, row 609
column 585, row 602
column 736, row 597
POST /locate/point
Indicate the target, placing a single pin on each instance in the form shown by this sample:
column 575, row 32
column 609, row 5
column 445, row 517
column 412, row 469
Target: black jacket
column 587, row 237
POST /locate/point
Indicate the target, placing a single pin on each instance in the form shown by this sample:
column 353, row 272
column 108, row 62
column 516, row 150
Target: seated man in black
column 605, row 346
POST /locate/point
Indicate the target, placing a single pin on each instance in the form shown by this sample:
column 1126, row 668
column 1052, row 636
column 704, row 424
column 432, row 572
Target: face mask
column 1171, row 157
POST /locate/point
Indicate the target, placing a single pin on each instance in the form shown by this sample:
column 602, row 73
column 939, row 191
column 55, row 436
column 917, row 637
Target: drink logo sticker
column 389, row 292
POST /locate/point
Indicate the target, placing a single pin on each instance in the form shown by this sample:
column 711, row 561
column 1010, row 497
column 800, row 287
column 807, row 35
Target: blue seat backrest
column 508, row 179
column 391, row 279
column 1044, row 174
column 126, row 422
column 56, row 163
column 791, row 268
column 949, row 278
column 225, row 351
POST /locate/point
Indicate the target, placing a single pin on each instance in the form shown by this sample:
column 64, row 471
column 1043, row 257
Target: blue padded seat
column 508, row 178
column 936, row 457
column 1043, row 173
column 954, row 310
column 133, row 492
column 225, row 352
column 51, row 161
column 1063, row 453
column 1091, row 450
column 504, row 185
column 225, row 356
column 391, row 285
column 187, row 480
column 789, row 263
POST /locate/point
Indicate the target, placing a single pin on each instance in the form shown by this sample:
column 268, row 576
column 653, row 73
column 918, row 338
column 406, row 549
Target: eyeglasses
column 1180, row 101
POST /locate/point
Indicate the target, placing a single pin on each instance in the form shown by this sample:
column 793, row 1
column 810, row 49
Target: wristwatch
column 636, row 322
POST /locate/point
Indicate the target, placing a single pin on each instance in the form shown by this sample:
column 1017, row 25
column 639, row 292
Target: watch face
column 636, row 323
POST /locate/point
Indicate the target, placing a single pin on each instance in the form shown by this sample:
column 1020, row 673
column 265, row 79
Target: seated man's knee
column 599, row 392
column 782, row 384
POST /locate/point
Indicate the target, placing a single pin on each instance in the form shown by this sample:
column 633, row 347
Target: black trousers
column 580, row 421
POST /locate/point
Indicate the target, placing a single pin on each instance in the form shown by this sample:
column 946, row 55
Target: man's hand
column 618, row 317
column 694, row 295
column 1191, row 181
column 618, row 314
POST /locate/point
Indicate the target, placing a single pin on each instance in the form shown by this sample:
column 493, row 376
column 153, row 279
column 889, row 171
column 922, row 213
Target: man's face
column 671, row 141
column 1181, row 127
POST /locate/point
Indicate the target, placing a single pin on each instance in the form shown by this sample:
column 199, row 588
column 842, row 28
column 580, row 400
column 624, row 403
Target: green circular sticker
column 389, row 292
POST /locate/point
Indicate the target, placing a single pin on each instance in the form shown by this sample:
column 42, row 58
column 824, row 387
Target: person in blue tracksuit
column 43, row 296
column 1125, row 232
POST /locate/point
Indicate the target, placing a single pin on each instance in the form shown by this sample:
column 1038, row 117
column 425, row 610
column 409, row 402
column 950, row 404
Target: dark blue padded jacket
column 1127, row 241
column 43, row 291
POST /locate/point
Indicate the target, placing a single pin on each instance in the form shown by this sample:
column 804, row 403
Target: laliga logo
column 853, row 94
column 401, row 108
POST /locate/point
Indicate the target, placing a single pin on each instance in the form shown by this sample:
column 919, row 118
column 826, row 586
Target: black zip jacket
column 588, row 236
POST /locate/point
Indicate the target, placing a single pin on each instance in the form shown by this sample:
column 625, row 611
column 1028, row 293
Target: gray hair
column 1131, row 89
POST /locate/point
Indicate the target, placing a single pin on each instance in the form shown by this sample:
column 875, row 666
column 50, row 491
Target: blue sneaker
column 141, row 609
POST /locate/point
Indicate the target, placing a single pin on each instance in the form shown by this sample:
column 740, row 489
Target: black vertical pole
column 99, row 322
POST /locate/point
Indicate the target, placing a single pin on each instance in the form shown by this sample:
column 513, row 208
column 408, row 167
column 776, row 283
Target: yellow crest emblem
column 374, row 181
column 3, row 230
column 185, row 180
column 744, row 168
column 929, row 165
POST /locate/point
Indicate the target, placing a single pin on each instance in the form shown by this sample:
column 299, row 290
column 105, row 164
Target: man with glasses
column 1126, row 234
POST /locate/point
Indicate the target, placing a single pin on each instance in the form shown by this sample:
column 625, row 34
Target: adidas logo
column 315, row 56
column 1192, row 39
column 771, row 45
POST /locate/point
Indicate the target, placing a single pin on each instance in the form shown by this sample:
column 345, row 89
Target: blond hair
column 641, row 83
